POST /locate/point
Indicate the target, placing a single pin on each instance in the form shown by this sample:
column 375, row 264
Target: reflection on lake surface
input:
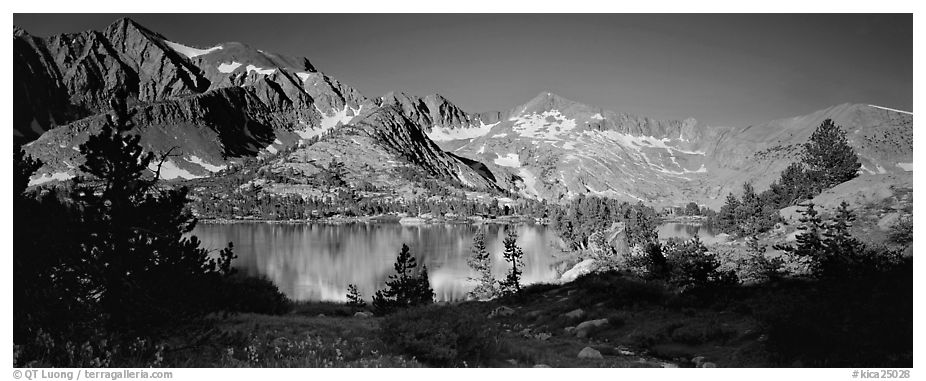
column 686, row 231
column 317, row 261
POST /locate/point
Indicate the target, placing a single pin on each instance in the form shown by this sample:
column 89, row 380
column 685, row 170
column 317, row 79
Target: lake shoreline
column 382, row 219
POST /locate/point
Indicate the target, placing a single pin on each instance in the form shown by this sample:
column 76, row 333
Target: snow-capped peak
column 891, row 109
column 190, row 52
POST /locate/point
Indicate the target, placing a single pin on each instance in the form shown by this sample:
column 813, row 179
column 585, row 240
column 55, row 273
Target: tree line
column 827, row 160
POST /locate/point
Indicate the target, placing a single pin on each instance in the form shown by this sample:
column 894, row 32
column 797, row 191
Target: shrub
column 440, row 335
column 856, row 321
column 756, row 267
column 256, row 294
column 696, row 332
column 691, row 264
column 618, row 290
column 902, row 232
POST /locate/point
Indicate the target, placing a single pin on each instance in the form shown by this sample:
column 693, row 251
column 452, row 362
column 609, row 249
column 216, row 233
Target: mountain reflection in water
column 316, row 262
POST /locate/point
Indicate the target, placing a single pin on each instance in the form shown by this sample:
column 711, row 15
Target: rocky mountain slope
column 216, row 105
column 554, row 148
column 207, row 107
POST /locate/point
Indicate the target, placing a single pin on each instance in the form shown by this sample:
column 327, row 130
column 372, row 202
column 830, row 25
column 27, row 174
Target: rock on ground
column 575, row 314
column 501, row 311
column 579, row 269
column 583, row 329
column 590, row 353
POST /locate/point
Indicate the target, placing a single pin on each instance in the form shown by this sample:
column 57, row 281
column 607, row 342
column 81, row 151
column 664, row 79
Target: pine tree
column 842, row 249
column 354, row 298
column 809, row 241
column 45, row 287
column 135, row 256
column 514, row 256
column 727, row 215
column 404, row 288
column 793, row 186
column 829, row 157
column 481, row 262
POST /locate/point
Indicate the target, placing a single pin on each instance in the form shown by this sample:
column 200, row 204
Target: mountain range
column 220, row 105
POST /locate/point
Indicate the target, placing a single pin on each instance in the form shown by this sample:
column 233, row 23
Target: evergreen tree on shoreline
column 404, row 288
column 481, row 262
column 514, row 256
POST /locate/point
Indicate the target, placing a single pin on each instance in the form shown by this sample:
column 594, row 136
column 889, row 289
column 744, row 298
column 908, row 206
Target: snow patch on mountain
column 509, row 160
column 891, row 109
column 598, row 116
column 906, row 166
column 44, row 178
column 170, row 170
column 188, row 51
column 547, row 125
column 443, row 134
column 259, row 70
column 207, row 166
column 334, row 118
column 639, row 142
column 303, row 76
column 229, row 67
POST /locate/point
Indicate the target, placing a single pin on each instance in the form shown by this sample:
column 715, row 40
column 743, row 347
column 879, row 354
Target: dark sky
column 721, row 69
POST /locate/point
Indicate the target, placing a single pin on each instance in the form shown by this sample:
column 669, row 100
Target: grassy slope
column 328, row 335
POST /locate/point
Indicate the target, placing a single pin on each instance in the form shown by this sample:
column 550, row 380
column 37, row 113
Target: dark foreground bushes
column 846, row 322
column 255, row 294
column 440, row 335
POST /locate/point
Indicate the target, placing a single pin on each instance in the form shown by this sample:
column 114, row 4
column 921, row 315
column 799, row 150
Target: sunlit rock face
column 317, row 262
column 553, row 148
column 211, row 105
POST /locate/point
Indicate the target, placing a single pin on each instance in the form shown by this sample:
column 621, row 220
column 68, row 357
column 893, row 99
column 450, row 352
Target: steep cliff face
column 213, row 104
column 377, row 147
column 207, row 107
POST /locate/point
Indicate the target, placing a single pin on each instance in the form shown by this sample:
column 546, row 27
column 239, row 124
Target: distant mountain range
column 222, row 104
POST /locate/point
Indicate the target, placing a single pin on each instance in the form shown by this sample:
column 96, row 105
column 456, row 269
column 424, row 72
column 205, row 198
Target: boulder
column 586, row 327
column 578, row 270
column 569, row 330
column 575, row 314
column 363, row 315
column 541, row 366
column 543, row 336
column 501, row 311
column 708, row 365
column 698, row 360
column 533, row 314
column 589, row 353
